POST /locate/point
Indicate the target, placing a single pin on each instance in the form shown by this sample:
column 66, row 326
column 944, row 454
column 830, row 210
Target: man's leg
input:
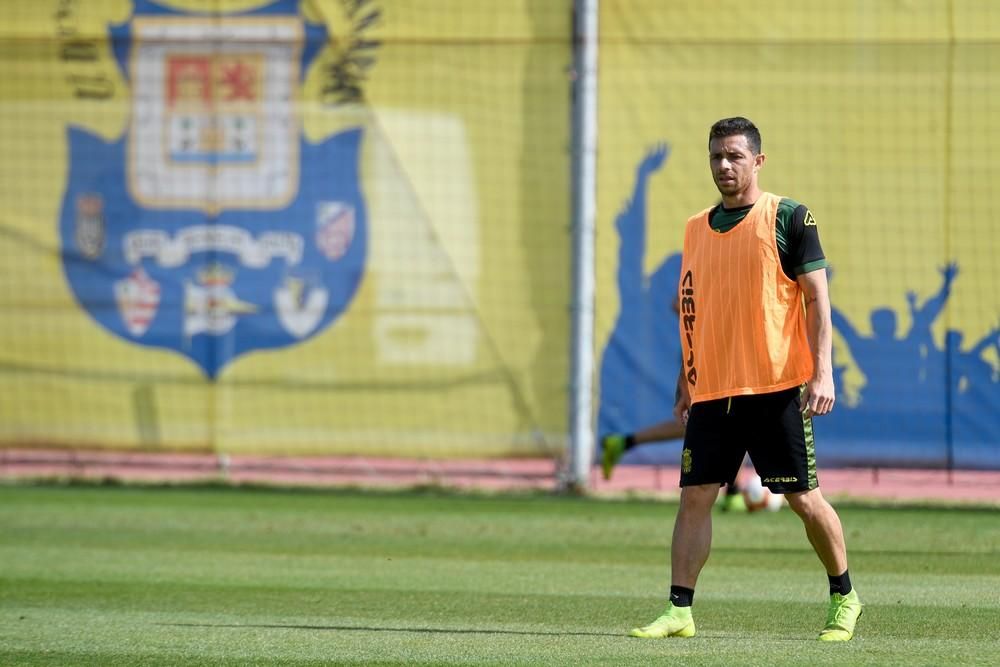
column 734, row 501
column 614, row 445
column 784, row 454
column 823, row 528
column 825, row 533
column 692, row 542
column 692, row 539
column 665, row 430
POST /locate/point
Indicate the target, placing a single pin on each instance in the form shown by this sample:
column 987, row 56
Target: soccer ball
column 758, row 497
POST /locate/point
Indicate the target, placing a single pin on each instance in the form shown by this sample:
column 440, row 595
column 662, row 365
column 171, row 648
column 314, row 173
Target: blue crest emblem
column 212, row 227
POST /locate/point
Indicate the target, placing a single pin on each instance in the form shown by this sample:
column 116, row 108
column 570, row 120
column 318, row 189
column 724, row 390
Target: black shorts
column 770, row 427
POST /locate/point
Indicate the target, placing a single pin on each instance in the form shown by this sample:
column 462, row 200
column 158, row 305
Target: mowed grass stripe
column 242, row 576
column 740, row 638
column 474, row 529
column 144, row 639
column 728, row 577
column 473, row 610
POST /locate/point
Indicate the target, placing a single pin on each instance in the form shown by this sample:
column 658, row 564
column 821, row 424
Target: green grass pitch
column 105, row 575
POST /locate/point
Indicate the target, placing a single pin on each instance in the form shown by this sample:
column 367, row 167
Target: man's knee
column 808, row 504
column 700, row 497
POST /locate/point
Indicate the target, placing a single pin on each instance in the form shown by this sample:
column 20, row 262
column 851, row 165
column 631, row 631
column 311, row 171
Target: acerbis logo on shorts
column 779, row 480
column 687, row 317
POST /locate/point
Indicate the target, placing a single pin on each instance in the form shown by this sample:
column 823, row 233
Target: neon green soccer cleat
column 612, row 448
column 675, row 622
column 733, row 502
column 843, row 615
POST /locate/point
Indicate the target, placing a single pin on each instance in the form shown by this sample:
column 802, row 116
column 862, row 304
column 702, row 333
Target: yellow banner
column 316, row 227
column 342, row 226
column 874, row 115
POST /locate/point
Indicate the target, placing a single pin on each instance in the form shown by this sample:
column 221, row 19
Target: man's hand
column 949, row 272
column 818, row 397
column 683, row 406
column 681, row 412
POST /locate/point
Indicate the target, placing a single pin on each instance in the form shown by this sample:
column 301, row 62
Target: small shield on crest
column 89, row 229
column 334, row 228
column 138, row 298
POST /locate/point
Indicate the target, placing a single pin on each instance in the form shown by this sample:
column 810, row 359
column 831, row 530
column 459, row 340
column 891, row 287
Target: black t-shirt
column 796, row 235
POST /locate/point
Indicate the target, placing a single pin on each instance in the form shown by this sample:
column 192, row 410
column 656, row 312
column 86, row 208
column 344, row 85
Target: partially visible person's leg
column 665, row 430
column 614, row 445
column 733, row 501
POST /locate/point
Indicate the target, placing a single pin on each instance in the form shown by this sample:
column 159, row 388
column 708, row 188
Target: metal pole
column 584, row 159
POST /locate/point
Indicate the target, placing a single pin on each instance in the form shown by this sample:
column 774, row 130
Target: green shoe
column 612, row 448
column 734, row 502
column 675, row 622
column 843, row 615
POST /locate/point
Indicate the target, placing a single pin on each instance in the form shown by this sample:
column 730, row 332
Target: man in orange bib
column 756, row 333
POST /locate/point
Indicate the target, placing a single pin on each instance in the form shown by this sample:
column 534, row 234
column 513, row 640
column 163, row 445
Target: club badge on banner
column 212, row 227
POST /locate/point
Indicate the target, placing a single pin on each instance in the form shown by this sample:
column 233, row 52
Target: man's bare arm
column 820, row 393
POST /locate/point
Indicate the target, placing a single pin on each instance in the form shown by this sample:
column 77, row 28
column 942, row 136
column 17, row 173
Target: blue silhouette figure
column 641, row 361
column 968, row 368
column 904, row 399
column 892, row 365
column 919, row 401
column 975, row 400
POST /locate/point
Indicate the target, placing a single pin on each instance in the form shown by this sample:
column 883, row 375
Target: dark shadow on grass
column 448, row 631
column 365, row 628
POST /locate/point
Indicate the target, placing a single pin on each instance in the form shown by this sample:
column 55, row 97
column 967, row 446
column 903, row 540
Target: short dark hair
column 728, row 127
